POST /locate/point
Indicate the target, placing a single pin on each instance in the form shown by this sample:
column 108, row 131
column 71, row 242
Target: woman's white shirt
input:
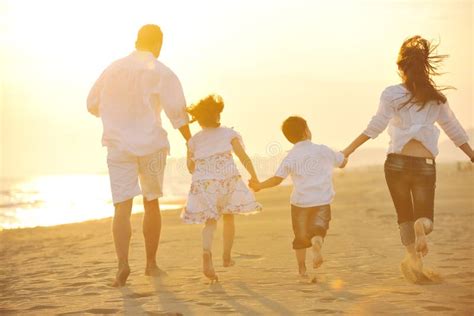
column 413, row 122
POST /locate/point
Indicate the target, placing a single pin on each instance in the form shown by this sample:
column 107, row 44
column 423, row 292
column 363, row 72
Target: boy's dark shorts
column 309, row 222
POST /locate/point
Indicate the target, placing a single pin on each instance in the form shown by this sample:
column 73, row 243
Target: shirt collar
column 143, row 54
column 302, row 143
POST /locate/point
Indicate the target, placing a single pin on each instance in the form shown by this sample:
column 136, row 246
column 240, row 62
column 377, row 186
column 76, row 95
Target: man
column 129, row 97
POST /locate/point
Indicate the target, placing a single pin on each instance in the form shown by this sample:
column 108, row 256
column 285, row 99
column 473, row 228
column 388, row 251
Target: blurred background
column 327, row 61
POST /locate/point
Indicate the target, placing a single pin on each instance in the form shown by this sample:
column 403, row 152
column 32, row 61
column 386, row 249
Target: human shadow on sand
column 274, row 306
column 233, row 300
column 169, row 302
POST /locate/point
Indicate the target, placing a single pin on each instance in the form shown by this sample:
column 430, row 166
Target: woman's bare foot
column 154, row 271
column 121, row 276
column 412, row 266
column 421, row 244
column 207, row 266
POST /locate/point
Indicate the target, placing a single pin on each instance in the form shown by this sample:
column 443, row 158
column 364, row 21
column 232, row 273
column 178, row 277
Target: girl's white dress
column 217, row 187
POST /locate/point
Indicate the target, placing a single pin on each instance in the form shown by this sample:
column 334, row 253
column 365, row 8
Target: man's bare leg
column 122, row 231
column 151, row 232
column 229, row 233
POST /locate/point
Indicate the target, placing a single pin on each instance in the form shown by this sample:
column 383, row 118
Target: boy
column 310, row 167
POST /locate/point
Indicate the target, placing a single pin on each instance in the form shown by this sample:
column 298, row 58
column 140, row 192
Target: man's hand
column 185, row 132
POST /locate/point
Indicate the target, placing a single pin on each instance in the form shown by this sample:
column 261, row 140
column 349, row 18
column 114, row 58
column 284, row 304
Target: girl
column 410, row 109
column 217, row 188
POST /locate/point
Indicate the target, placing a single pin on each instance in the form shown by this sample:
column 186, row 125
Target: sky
column 327, row 61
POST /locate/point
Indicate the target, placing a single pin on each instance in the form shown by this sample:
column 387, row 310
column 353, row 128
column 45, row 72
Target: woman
column 410, row 109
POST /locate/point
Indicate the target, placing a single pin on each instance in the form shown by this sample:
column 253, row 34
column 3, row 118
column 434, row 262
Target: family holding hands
column 131, row 93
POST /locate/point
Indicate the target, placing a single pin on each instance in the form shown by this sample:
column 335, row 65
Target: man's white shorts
column 125, row 170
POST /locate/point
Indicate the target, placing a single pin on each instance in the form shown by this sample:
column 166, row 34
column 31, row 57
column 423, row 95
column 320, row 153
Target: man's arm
column 185, row 131
column 174, row 103
column 93, row 99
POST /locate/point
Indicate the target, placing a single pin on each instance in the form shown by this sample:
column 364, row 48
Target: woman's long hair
column 418, row 63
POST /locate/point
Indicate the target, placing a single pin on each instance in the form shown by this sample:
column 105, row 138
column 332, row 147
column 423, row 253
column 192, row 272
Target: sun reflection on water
column 61, row 199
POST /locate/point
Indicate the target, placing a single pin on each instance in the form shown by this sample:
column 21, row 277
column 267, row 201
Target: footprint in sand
column 38, row 307
column 406, row 293
column 139, row 295
column 324, row 311
column 437, row 308
column 328, row 299
column 100, row 311
column 205, row 303
column 248, row 256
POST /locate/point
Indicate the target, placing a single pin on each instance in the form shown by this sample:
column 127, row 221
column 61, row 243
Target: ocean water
column 60, row 199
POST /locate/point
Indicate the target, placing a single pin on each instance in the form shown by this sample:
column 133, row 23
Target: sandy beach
column 67, row 269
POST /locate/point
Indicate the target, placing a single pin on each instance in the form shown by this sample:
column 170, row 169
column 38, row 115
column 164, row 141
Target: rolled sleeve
column 380, row 120
column 451, row 126
column 284, row 169
column 336, row 158
column 173, row 101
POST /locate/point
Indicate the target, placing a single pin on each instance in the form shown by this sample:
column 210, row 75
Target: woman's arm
column 466, row 148
column 451, row 126
column 244, row 158
column 377, row 124
column 356, row 143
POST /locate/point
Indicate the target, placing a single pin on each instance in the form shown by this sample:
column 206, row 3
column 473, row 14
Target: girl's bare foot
column 121, row 276
column 207, row 266
column 421, row 244
column 227, row 262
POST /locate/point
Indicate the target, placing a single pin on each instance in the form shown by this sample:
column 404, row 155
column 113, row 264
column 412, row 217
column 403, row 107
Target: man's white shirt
column 129, row 97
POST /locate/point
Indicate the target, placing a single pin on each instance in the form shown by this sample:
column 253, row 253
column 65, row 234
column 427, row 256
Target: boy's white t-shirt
column 311, row 168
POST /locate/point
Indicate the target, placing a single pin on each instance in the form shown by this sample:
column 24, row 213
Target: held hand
column 344, row 163
column 254, row 184
column 346, row 153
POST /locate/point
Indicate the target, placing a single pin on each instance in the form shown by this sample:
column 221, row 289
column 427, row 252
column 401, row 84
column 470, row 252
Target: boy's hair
column 206, row 111
column 294, row 129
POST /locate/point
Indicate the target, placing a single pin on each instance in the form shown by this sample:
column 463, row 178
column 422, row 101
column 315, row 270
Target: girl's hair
column 417, row 63
column 206, row 111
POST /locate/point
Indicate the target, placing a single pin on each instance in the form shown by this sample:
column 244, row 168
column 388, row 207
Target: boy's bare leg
column 228, row 237
column 122, row 231
column 151, row 232
column 317, row 242
column 301, row 260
